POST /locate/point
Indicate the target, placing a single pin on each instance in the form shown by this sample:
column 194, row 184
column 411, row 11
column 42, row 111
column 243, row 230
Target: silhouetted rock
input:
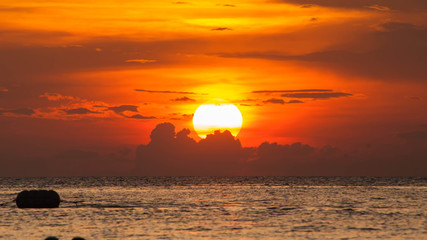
column 51, row 238
column 38, row 199
column 78, row 238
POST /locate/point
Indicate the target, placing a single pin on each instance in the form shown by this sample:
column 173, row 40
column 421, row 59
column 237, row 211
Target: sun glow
column 211, row 117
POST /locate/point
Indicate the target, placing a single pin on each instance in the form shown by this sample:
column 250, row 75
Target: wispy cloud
column 295, row 101
column 57, row 97
column 221, row 29
column 139, row 116
column 161, row 91
column 140, row 61
column 19, row 111
column 188, row 116
column 279, row 101
column 379, row 8
column 123, row 108
column 80, row 111
column 293, row 91
column 362, row 4
column 317, row 95
column 250, row 105
column 274, row 100
column 183, row 99
column 301, row 93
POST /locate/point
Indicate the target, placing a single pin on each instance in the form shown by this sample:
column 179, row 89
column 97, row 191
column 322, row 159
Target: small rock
column 38, row 199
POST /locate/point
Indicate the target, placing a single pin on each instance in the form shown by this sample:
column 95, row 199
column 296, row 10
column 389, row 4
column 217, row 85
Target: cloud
column 140, row 61
column 181, row 117
column 416, row 98
column 183, row 99
column 250, row 105
column 22, row 111
column 295, row 101
column 174, row 153
column 307, row 6
column 379, row 8
column 299, row 159
column 120, row 110
column 302, row 93
column 188, row 116
column 274, row 100
column 221, row 29
column 81, row 111
column 139, row 116
column 78, row 106
column 413, row 5
column 293, row 91
column 123, row 108
column 228, row 5
column 220, row 154
column 318, row 95
column 24, row 48
column 398, row 53
column 170, row 153
column 2, row 89
column 19, row 111
column 57, row 97
column 157, row 91
column 248, row 102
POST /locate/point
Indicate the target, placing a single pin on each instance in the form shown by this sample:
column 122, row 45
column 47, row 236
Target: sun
column 220, row 116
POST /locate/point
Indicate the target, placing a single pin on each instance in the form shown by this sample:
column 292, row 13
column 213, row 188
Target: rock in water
column 38, row 199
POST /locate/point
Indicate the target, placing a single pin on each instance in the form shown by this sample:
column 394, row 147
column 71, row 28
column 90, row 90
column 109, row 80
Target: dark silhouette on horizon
column 221, row 154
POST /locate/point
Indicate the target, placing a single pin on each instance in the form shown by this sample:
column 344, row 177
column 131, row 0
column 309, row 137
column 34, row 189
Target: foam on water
column 219, row 208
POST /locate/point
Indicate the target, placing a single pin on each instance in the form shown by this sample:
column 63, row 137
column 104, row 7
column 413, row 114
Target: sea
column 219, row 208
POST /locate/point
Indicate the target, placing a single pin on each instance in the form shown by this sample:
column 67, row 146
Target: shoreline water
column 219, row 208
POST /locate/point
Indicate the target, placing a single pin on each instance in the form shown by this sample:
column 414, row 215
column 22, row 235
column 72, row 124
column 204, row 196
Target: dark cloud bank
column 19, row 111
column 400, row 54
column 171, row 153
column 220, row 154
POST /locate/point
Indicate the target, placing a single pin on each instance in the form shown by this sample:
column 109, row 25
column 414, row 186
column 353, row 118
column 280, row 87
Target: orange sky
column 348, row 74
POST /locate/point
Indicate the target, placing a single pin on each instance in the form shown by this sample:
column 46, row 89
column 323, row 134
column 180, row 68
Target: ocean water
column 219, row 208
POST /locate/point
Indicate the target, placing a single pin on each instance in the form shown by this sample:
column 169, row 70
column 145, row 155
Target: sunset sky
column 83, row 83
